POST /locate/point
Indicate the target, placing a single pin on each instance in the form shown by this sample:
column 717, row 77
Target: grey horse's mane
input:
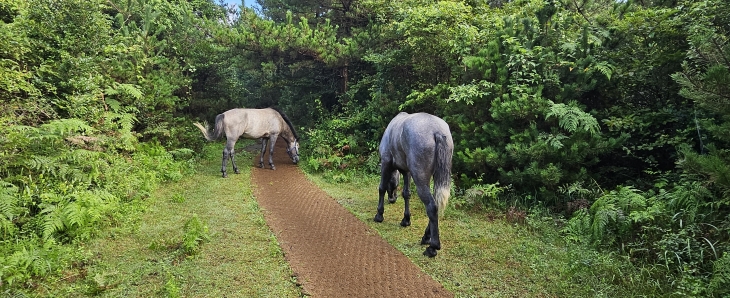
column 288, row 122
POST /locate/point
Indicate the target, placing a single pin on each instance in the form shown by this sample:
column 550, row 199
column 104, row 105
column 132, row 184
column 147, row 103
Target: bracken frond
column 572, row 118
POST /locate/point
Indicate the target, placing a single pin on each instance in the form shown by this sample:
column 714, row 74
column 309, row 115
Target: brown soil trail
column 331, row 252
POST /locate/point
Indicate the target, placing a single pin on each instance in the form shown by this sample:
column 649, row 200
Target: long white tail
column 216, row 133
column 442, row 173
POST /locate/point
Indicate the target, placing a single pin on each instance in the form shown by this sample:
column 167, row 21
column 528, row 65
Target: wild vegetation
column 612, row 117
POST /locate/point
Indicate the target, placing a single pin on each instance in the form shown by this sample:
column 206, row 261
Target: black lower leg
column 233, row 163
column 223, row 163
column 381, row 207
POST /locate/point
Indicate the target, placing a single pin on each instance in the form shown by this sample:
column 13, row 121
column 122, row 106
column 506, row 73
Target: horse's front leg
column 406, row 199
column 386, row 173
column 263, row 151
column 272, row 143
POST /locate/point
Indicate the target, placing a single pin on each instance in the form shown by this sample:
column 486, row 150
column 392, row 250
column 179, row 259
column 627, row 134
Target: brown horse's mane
column 288, row 122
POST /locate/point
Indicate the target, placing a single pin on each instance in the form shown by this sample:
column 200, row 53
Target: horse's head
column 293, row 151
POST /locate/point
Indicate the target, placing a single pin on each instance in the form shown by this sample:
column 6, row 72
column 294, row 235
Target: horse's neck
column 286, row 133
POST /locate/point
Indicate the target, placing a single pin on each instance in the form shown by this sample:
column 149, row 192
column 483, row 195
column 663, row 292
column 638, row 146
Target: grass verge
column 203, row 236
column 484, row 255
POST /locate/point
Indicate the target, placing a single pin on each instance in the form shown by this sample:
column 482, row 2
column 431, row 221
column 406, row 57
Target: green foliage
column 544, row 96
column 343, row 143
column 616, row 214
column 9, row 210
column 485, row 195
column 720, row 282
column 573, row 119
column 673, row 229
column 172, row 289
column 62, row 186
column 195, row 233
column 22, row 264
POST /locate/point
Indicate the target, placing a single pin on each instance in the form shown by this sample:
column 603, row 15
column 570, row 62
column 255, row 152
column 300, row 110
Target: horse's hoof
column 425, row 240
column 392, row 200
column 430, row 252
column 261, row 166
column 405, row 223
column 224, row 175
column 273, row 168
column 237, row 172
column 378, row 218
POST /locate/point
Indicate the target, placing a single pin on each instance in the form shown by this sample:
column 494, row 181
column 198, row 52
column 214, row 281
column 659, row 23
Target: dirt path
column 331, row 252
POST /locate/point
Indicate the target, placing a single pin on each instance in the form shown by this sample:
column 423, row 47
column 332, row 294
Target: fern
column 125, row 89
column 195, row 234
column 51, row 221
column 720, row 282
column 688, row 199
column 579, row 227
column 63, row 127
column 74, row 215
column 86, row 165
column 555, row 141
column 182, row 153
column 122, row 124
column 604, row 214
column 8, row 207
column 629, row 199
column 25, row 262
column 8, row 199
column 572, row 118
column 613, row 215
column 605, row 68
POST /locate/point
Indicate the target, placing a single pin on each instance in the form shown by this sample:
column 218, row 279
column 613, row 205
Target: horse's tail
column 442, row 173
column 216, row 133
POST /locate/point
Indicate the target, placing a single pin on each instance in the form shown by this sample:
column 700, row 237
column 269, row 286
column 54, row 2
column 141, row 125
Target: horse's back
column 414, row 129
column 412, row 137
column 422, row 126
column 252, row 123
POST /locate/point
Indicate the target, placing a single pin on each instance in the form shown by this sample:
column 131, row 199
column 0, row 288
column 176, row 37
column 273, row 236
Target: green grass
column 234, row 254
column 144, row 257
column 483, row 255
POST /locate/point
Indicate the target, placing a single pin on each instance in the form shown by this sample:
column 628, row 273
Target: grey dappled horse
column 265, row 124
column 418, row 146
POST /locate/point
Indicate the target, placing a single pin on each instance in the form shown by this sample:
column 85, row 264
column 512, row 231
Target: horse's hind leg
column 233, row 162
column 224, row 161
column 406, row 199
column 230, row 147
column 393, row 187
column 272, row 143
column 431, row 234
column 386, row 174
column 263, row 151
column 227, row 154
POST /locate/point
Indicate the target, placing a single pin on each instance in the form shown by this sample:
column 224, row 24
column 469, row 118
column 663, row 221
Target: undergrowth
column 625, row 243
column 200, row 236
column 66, row 183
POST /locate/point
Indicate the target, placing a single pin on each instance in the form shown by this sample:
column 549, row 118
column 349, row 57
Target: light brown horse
column 265, row 124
